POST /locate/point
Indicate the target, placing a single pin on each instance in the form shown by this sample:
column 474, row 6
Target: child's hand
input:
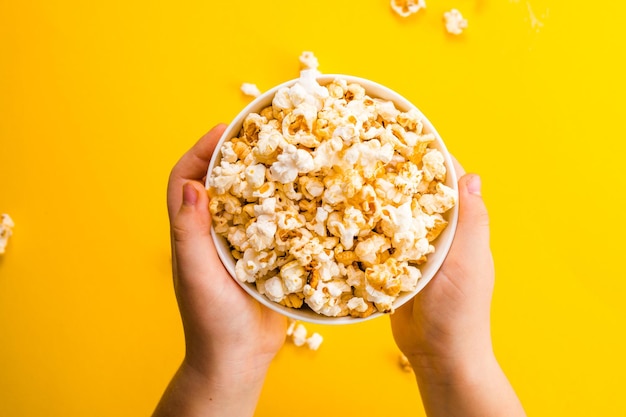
column 449, row 318
column 445, row 330
column 230, row 338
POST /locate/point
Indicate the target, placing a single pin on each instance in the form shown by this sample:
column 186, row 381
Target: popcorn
column 359, row 307
column 298, row 334
column 328, row 298
column 371, row 250
column 293, row 276
column 404, row 363
column 255, row 175
column 406, row 8
column 291, row 162
column 250, row 89
column 252, row 263
column 330, row 199
column 441, row 202
column 225, row 176
column 274, row 289
column 261, row 232
column 455, row 23
column 308, row 60
column 314, row 341
column 6, row 230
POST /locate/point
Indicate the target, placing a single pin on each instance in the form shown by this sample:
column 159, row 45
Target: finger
column 195, row 255
column 195, row 161
column 192, row 165
column 471, row 240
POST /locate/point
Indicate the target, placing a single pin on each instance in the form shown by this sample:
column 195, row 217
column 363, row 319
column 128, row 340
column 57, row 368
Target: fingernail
column 473, row 184
column 190, row 195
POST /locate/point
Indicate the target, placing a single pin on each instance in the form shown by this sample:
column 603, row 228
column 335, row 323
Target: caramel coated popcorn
column 330, row 198
column 406, row 8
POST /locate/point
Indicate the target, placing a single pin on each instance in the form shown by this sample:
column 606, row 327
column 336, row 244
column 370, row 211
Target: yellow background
column 99, row 99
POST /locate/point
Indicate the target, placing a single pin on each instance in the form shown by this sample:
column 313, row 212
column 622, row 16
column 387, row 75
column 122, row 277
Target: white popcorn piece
column 387, row 110
column 314, row 341
column 330, row 199
column 408, row 280
column 250, row 89
column 264, row 191
column 228, row 153
column 253, row 263
column 298, row 333
column 308, row 60
column 261, row 232
column 383, row 302
column 357, row 304
column 409, row 178
column 270, row 140
column 298, row 126
column 383, row 284
column 328, row 154
column 368, row 154
column 369, row 250
column 274, row 289
column 6, row 231
column 255, row 175
column 291, row 162
column 346, row 227
column 441, row 202
column 312, row 186
column 326, row 299
column 397, row 220
column 406, row 8
column 225, row 176
column 291, row 327
column 293, row 276
column 315, row 93
column 455, row 22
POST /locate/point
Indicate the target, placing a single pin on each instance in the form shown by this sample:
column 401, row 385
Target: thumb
column 472, row 209
column 471, row 241
column 194, row 251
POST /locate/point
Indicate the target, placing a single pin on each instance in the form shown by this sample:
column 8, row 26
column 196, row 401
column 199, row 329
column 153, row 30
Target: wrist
column 216, row 392
column 223, row 370
column 452, row 368
column 437, row 355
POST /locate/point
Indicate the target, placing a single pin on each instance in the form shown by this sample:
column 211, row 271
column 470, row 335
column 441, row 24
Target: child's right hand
column 449, row 318
column 445, row 329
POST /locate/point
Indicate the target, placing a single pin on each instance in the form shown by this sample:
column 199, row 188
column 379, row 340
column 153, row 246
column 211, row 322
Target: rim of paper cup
column 442, row 243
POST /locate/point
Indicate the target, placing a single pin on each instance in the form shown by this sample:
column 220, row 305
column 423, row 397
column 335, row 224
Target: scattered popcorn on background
column 298, row 334
column 250, row 89
column 6, row 230
column 455, row 23
column 406, row 8
column 330, row 198
column 404, row 363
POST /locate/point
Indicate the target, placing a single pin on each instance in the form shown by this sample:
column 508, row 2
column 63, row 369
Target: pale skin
column 445, row 330
column 231, row 339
